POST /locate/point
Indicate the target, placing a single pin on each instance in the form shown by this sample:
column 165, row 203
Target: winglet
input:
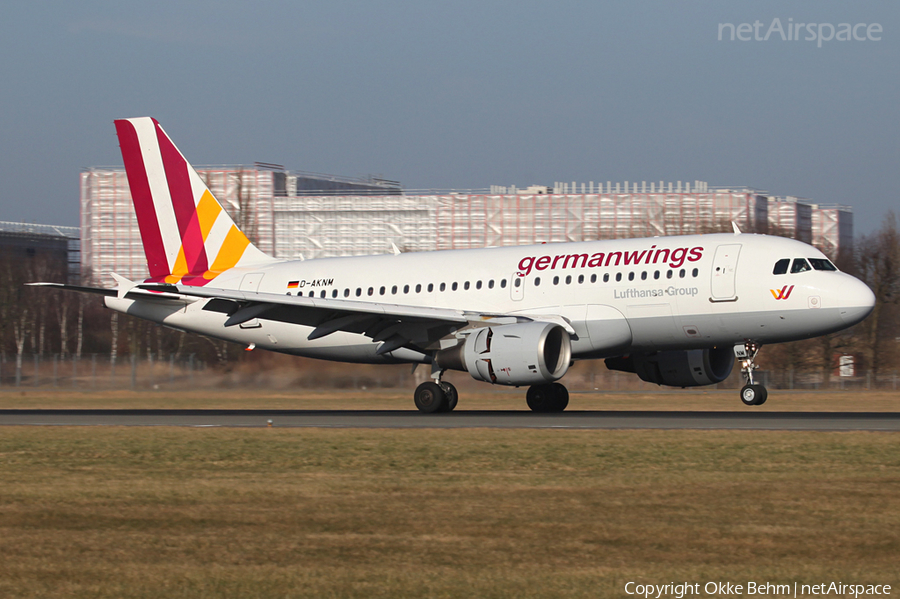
column 124, row 285
column 737, row 231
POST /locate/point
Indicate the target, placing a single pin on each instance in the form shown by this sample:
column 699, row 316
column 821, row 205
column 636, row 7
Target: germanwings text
column 673, row 257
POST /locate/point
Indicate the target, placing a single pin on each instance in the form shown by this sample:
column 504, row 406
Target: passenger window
column 669, row 274
column 443, row 286
column 822, row 264
column 358, row 292
column 606, row 277
column 491, row 284
column 695, row 273
column 334, row 293
column 466, row 285
column 556, row 280
column 478, row 285
column 346, row 293
column 568, row 279
column 537, row 281
column 518, row 282
column 502, row 283
column 781, row 266
column 655, row 274
column 394, row 290
column 406, row 289
column 322, row 293
column 371, row 291
column 419, row 288
column 430, row 287
column 618, row 276
column 681, row 273
column 631, row 276
column 580, row 279
column 644, row 276
column 381, row 291
column 454, row 286
column 800, row 265
column 593, row 278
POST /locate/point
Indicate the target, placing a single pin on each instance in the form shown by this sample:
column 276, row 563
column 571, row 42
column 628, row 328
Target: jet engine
column 512, row 354
column 681, row 368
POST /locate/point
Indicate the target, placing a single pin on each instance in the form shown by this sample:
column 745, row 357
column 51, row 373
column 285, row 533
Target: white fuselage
column 619, row 296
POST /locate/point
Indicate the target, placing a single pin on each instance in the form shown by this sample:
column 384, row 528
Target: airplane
column 674, row 310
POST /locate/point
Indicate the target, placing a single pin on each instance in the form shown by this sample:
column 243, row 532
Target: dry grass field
column 111, row 512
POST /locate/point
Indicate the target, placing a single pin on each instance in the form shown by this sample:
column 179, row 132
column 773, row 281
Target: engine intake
column 512, row 354
column 682, row 368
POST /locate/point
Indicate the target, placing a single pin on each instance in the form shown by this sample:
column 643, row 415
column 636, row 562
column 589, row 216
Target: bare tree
column 878, row 264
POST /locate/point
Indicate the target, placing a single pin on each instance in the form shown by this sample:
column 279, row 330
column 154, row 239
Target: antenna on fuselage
column 737, row 231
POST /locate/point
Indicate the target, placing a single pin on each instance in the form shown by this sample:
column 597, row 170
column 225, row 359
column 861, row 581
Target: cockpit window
column 781, row 266
column 822, row 264
column 800, row 265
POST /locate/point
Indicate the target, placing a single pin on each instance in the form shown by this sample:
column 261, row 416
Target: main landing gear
column 436, row 396
column 751, row 393
column 552, row 397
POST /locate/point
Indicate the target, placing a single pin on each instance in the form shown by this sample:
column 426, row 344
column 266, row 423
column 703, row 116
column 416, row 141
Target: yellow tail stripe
column 232, row 249
column 179, row 269
column 208, row 210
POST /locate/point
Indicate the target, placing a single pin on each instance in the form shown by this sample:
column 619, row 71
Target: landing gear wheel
column 754, row 395
column 547, row 398
column 430, row 398
column 561, row 401
column 451, row 397
column 751, row 393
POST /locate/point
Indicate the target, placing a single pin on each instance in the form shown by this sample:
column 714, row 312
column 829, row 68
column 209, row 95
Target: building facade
column 57, row 247
column 287, row 218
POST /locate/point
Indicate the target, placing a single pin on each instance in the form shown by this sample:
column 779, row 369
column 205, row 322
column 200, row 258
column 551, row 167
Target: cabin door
column 724, row 271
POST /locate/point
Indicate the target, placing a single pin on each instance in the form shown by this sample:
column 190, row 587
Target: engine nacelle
column 512, row 354
column 680, row 368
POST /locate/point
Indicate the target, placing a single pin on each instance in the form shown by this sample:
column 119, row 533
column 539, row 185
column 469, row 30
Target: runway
column 396, row 419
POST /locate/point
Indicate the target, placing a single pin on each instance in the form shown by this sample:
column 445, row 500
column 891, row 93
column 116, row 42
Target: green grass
column 164, row 512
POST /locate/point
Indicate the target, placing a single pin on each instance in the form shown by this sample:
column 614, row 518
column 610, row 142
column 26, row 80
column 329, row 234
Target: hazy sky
column 459, row 94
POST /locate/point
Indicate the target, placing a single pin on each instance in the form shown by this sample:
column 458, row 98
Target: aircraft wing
column 397, row 326
column 122, row 292
column 414, row 327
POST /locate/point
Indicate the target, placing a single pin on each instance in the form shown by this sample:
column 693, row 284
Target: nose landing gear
column 751, row 393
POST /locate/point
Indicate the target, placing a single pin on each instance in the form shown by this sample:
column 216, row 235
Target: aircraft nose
column 857, row 301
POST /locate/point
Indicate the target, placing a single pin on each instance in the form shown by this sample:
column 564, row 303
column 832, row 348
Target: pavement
column 611, row 420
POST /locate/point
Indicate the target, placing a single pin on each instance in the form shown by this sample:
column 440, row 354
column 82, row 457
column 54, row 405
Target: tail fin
column 187, row 236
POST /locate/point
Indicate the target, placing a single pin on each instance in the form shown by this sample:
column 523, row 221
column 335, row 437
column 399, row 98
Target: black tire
column 547, row 398
column 561, row 397
column 538, row 398
column 451, row 397
column 430, row 398
column 754, row 395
